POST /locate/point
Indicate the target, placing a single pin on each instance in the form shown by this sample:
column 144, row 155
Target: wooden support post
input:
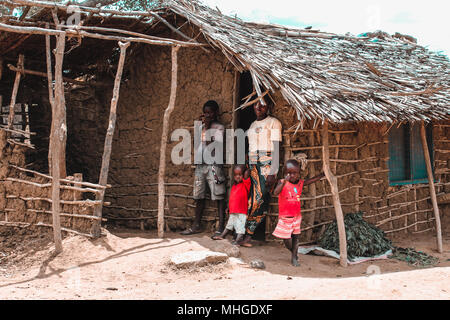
column 58, row 137
column 431, row 185
column 236, row 86
column 336, row 151
column 357, row 168
column 109, row 137
column 335, row 195
column 312, row 188
column 164, row 137
column 20, row 65
column 51, row 97
column 77, row 177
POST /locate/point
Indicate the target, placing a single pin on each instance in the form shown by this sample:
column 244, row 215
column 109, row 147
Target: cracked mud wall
column 136, row 146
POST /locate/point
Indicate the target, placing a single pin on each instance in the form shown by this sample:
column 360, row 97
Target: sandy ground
column 127, row 264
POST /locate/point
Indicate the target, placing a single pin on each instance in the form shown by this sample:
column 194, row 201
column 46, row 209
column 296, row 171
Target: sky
column 426, row 20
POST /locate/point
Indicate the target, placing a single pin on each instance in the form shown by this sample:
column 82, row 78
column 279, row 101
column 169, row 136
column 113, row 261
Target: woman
column 264, row 137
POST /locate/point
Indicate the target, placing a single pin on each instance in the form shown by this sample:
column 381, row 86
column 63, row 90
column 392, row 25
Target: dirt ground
column 130, row 264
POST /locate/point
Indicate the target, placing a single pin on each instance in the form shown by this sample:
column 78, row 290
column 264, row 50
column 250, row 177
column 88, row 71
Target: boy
column 209, row 174
column 288, row 191
column 237, row 205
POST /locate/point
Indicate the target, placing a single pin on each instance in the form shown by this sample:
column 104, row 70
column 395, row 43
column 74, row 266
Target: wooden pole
column 58, row 137
column 29, row 30
column 45, row 75
column 313, row 191
column 164, row 137
column 14, row 93
column 103, row 179
column 51, row 97
column 335, row 195
column 431, row 185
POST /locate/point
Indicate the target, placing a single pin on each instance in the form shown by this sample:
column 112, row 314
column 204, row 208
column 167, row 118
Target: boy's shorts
column 286, row 227
column 237, row 221
column 204, row 175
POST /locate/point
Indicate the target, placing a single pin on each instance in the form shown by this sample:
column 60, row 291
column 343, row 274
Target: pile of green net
column 413, row 257
column 363, row 239
column 366, row 240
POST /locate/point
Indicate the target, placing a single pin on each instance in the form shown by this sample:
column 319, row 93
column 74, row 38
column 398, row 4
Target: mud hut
column 371, row 110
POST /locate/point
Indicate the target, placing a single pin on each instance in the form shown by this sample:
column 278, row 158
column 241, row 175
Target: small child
column 289, row 191
column 237, row 204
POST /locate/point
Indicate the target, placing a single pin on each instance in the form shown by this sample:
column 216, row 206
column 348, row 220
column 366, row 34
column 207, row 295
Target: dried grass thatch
column 328, row 76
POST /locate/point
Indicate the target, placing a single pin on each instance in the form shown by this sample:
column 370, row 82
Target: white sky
column 426, row 20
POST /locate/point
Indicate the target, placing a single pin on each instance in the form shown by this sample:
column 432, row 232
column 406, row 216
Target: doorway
column 245, row 117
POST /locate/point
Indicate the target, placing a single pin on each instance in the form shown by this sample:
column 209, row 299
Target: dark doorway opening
column 245, row 117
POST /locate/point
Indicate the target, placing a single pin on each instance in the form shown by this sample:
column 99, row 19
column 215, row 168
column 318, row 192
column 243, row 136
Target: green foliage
column 413, row 257
column 363, row 239
column 366, row 240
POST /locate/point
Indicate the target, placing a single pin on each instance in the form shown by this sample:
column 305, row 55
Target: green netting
column 413, row 257
column 366, row 240
column 363, row 239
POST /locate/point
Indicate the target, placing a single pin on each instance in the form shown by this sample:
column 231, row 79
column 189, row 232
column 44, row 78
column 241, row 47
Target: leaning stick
column 43, row 74
column 161, row 42
column 103, row 179
column 58, row 138
column 432, row 190
column 164, row 137
column 14, row 93
column 312, row 173
column 51, row 96
column 48, row 185
column 135, row 34
column 75, row 33
column 29, row 30
column 335, row 192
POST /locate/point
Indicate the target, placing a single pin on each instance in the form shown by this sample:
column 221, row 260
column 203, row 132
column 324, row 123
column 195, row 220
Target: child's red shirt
column 289, row 200
column 239, row 197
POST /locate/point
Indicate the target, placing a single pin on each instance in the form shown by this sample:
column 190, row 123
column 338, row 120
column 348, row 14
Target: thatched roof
column 329, row 76
column 322, row 75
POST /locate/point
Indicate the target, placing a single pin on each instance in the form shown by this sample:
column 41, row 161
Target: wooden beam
column 431, row 185
column 79, row 33
column 58, row 137
column 103, row 179
column 14, row 93
column 164, row 137
column 29, row 30
column 127, row 32
column 335, row 196
column 43, row 74
column 160, row 42
column 83, row 9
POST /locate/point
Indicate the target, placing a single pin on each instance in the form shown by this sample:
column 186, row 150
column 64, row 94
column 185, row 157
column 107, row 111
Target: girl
column 289, row 191
column 237, row 205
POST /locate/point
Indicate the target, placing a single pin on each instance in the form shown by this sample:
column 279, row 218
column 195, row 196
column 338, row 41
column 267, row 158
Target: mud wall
column 136, row 145
column 25, row 198
column 359, row 158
